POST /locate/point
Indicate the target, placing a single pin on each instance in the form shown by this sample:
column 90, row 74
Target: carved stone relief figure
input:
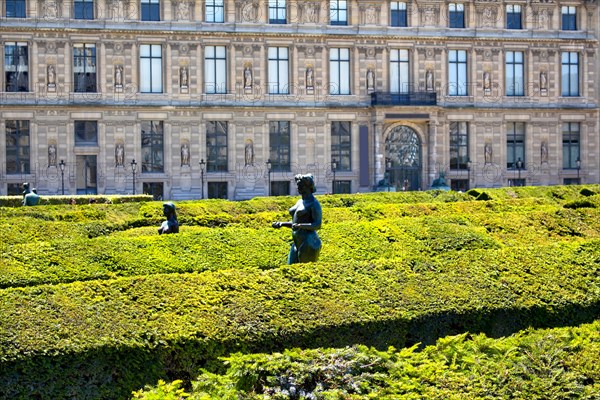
column 370, row 80
column 183, row 10
column 119, row 155
column 249, row 152
column 118, row 75
column 248, row 77
column 429, row 80
column 51, row 75
column 487, row 81
column 183, row 77
column 543, row 80
column 310, row 11
column 185, row 154
column 488, row 153
column 544, row 152
column 310, row 83
column 52, row 155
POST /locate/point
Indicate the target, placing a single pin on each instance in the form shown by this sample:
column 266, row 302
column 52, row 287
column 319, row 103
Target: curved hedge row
column 534, row 364
column 110, row 337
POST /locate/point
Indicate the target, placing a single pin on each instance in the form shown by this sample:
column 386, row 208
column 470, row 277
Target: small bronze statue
column 306, row 220
column 170, row 225
column 30, row 197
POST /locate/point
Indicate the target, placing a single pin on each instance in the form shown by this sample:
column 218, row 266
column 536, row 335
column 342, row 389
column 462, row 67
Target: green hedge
column 111, row 337
column 17, row 201
column 534, row 364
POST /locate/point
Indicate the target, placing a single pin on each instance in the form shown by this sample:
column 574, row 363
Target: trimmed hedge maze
column 94, row 304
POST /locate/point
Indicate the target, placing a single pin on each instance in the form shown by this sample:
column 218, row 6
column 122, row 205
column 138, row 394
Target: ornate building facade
column 188, row 99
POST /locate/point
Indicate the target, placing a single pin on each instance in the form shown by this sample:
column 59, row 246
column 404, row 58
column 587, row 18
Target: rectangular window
column 515, row 144
column 16, row 9
column 216, row 146
column 217, row 190
column 280, row 188
column 16, row 67
column 277, row 12
column 338, row 12
column 456, row 15
column 215, row 11
column 342, row 187
column 458, row 83
column 570, row 144
column 83, row 9
column 570, row 74
column 398, row 14
column 17, row 147
column 278, row 70
column 339, row 71
column 341, row 144
column 151, row 68
column 84, row 68
column 86, row 133
column 515, row 73
column 399, row 71
column 215, row 69
column 150, row 10
column 513, row 16
column 569, row 18
column 153, row 146
column 279, row 145
column 459, row 145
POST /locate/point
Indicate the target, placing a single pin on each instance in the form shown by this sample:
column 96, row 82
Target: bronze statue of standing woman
column 306, row 220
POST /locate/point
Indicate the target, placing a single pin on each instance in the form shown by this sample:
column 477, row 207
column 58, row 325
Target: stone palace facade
column 232, row 98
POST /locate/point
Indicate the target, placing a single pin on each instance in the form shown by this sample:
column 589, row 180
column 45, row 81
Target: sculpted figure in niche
column 310, row 77
column 170, row 225
column 51, row 75
column 185, row 155
column 544, row 152
column 119, row 155
column 52, row 155
column 249, row 152
column 429, row 80
column 247, row 77
column 488, row 153
column 370, row 79
column 543, row 80
column 370, row 15
column 487, row 81
column 119, row 75
column 310, row 12
column 306, row 220
column 184, row 76
column 183, row 10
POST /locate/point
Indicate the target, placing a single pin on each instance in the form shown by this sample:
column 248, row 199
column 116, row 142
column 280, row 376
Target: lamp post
column 519, row 166
column 62, row 166
column 333, row 168
column 133, row 170
column 578, row 163
column 202, row 165
column 269, row 174
column 468, row 174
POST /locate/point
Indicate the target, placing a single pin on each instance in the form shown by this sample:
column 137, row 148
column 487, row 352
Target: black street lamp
column 133, row 170
column 468, row 174
column 333, row 168
column 578, row 163
column 519, row 167
column 202, row 165
column 62, row 166
column 269, row 174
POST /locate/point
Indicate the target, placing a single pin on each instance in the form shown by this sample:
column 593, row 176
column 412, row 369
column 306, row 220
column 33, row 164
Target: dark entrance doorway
column 403, row 158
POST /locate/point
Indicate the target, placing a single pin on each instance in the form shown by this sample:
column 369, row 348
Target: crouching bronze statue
column 170, row 225
column 306, row 220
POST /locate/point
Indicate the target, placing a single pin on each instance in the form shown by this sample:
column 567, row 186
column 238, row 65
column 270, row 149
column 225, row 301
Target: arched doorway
column 403, row 164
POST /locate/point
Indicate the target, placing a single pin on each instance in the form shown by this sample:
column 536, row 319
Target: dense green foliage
column 94, row 304
column 554, row 364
